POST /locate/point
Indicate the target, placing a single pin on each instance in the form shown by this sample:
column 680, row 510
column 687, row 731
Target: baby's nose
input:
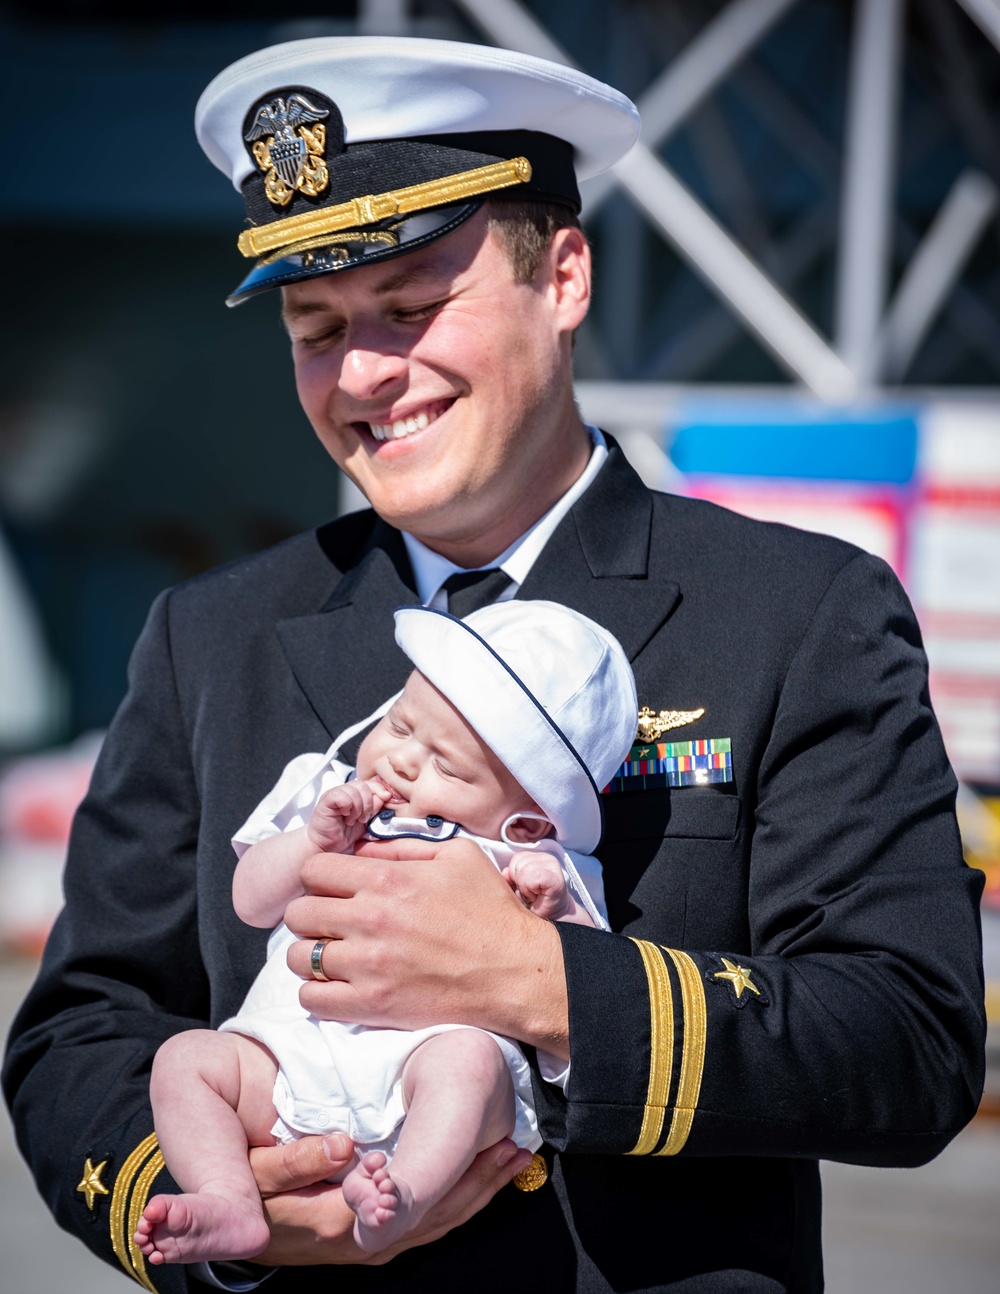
column 404, row 762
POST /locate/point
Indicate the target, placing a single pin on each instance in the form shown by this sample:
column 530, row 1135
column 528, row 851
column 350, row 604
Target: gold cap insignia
column 91, row 1184
column 652, row 726
column 534, row 1176
column 291, row 155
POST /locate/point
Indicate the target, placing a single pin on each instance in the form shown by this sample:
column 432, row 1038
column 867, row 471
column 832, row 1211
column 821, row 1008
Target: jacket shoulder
column 700, row 517
column 708, row 533
column 281, row 580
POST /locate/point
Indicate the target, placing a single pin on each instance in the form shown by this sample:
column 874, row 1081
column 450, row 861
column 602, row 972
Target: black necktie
column 469, row 590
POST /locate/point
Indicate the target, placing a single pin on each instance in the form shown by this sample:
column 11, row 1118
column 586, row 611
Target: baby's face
column 425, row 753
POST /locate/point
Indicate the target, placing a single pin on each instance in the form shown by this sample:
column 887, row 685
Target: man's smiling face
column 443, row 387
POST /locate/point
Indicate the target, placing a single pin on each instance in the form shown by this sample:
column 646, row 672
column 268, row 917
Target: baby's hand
column 342, row 814
column 539, row 881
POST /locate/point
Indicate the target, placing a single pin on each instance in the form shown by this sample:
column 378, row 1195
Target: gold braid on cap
column 264, row 240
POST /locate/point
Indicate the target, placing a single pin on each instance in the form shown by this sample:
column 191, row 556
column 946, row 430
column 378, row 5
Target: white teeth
column 403, row 427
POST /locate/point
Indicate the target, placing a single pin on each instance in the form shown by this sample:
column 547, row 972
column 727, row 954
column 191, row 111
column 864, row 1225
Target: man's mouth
column 412, row 423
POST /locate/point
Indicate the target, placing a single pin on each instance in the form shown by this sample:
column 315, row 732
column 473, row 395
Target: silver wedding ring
column 316, row 960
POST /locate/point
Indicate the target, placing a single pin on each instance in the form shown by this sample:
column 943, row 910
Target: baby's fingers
column 375, row 794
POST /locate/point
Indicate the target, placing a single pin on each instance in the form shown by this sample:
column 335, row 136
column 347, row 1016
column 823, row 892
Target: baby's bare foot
column 200, row 1228
column 385, row 1208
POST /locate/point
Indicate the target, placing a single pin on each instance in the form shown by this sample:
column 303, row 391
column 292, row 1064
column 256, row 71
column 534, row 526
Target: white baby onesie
column 342, row 1077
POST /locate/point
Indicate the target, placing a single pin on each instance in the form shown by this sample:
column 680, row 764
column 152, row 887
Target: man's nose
column 369, row 369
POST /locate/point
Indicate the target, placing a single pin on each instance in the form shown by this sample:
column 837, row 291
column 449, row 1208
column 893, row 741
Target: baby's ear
column 526, row 830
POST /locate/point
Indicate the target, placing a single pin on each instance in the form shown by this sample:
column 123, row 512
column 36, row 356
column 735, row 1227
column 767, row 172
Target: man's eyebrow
column 408, row 276
column 300, row 309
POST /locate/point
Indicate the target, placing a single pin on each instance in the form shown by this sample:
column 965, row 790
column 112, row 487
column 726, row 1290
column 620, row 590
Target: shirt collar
column 430, row 569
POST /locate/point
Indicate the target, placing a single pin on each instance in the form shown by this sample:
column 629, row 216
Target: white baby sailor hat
column 352, row 149
column 549, row 691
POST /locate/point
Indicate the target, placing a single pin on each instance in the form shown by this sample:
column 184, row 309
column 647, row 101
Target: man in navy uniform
column 794, row 973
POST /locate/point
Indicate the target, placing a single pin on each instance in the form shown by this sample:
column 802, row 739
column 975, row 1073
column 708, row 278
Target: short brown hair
column 526, row 229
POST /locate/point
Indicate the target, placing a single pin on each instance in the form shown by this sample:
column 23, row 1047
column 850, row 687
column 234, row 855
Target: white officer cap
column 350, row 149
column 549, row 691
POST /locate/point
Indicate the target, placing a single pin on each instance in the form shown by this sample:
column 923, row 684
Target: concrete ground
column 922, row 1231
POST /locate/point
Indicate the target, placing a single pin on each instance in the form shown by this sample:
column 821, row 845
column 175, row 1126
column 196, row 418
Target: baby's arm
column 268, row 876
column 541, row 884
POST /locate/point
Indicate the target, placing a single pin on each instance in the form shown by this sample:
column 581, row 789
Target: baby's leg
column 211, row 1096
column 459, row 1099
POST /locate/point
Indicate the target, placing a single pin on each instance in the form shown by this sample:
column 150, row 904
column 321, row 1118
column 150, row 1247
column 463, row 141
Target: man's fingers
column 299, row 957
column 300, row 1163
column 397, row 850
column 491, row 1170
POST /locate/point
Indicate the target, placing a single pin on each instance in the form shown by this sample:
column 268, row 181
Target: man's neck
column 550, row 482
column 431, row 569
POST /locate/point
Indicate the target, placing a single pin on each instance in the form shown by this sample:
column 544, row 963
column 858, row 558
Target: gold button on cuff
column 534, row 1176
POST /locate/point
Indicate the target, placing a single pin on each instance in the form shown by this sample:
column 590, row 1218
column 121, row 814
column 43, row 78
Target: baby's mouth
column 412, row 423
column 394, row 796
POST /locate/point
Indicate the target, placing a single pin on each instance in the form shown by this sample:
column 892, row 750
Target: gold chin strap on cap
column 265, row 240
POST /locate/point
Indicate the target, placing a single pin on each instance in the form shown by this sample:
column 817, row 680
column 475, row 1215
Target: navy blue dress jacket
column 795, row 972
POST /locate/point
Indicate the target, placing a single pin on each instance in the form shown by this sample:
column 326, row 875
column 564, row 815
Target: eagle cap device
column 352, row 149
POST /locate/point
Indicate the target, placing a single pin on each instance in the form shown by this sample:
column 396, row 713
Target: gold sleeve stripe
column 693, row 1053
column 373, row 207
column 120, row 1241
column 661, row 1046
column 140, row 1198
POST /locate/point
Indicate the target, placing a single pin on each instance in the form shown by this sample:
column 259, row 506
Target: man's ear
column 526, row 830
column 569, row 277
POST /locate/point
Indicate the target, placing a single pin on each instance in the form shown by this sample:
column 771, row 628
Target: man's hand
column 425, row 933
column 310, row 1223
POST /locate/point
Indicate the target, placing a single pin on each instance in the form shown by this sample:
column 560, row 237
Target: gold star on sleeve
column 738, row 975
column 91, row 1184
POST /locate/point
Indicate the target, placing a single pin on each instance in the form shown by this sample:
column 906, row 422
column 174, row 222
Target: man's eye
column 317, row 339
column 418, row 313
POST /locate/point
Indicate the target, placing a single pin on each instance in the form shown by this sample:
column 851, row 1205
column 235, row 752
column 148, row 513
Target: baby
column 509, row 724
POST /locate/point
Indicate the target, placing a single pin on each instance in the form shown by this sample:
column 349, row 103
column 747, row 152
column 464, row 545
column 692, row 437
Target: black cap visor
column 334, row 253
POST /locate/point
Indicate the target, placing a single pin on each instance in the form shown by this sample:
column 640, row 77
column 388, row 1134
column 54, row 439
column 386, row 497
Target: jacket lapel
column 597, row 561
column 345, row 658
